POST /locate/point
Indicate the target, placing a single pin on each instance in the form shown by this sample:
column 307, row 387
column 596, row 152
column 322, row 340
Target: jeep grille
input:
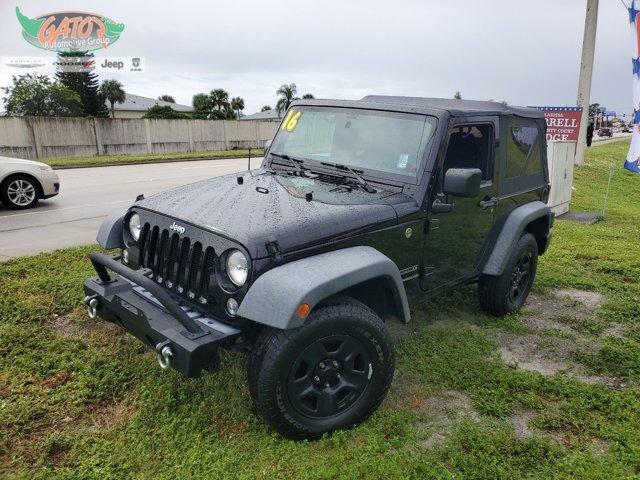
column 183, row 266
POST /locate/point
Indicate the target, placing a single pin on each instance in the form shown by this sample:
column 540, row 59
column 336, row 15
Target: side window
column 471, row 146
column 523, row 151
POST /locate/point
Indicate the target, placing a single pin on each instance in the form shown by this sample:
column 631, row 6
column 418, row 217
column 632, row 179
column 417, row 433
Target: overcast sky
column 524, row 52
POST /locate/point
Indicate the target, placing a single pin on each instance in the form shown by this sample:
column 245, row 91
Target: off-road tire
column 9, row 198
column 272, row 364
column 494, row 291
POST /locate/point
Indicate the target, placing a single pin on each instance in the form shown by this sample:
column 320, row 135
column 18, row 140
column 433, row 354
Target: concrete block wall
column 42, row 137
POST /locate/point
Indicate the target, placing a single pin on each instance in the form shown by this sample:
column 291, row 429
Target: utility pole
column 586, row 71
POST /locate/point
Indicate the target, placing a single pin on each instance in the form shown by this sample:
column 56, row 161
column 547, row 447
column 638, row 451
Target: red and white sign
column 563, row 123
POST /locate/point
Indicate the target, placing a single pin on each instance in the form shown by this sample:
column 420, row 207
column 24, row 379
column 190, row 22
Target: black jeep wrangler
column 356, row 204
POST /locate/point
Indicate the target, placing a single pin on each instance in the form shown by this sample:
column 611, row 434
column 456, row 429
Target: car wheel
column 19, row 192
column 506, row 293
column 330, row 374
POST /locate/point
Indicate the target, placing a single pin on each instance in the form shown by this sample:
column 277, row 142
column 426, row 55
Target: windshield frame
column 374, row 175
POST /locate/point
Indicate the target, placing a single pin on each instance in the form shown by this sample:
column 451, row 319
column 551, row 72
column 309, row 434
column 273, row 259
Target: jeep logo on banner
column 69, row 31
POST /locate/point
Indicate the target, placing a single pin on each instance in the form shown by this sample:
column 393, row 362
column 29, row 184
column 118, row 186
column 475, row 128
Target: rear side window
column 521, row 146
column 523, row 163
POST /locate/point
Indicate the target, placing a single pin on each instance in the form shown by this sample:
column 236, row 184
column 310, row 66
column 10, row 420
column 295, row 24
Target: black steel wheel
column 520, row 278
column 506, row 293
column 330, row 374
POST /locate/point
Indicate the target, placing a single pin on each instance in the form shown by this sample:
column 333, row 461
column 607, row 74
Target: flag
column 633, row 157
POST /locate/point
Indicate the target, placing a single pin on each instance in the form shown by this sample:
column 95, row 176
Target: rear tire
column 329, row 374
column 506, row 293
column 19, row 192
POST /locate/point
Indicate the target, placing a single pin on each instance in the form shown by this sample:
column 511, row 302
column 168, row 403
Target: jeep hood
column 268, row 207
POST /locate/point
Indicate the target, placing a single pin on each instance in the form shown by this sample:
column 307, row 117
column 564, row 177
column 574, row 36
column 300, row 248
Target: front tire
column 506, row 293
column 330, row 374
column 19, row 192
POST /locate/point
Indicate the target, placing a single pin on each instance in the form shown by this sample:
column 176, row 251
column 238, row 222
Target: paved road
column 87, row 195
column 604, row 140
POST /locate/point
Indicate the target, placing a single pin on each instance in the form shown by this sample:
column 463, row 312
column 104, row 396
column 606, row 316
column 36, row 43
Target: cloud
column 524, row 52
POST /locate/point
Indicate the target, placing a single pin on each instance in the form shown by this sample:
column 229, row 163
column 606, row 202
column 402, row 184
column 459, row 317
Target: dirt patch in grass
column 521, row 420
column 438, row 414
column 557, row 326
column 78, row 325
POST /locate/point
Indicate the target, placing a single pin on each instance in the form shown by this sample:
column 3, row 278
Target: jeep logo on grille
column 179, row 229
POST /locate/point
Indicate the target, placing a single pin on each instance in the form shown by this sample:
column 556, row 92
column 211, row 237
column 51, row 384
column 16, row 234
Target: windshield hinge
column 273, row 249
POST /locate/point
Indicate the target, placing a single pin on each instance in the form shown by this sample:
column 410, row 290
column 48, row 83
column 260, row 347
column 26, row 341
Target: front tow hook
column 164, row 353
column 92, row 306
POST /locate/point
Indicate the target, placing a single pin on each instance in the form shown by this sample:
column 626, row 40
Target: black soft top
column 428, row 106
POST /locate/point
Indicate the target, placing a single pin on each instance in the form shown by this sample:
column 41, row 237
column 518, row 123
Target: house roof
column 142, row 104
column 268, row 115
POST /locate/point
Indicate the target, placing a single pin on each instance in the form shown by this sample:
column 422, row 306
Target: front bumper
column 143, row 309
column 50, row 184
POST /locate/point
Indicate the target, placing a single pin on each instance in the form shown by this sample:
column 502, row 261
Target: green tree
column 308, row 96
column 166, row 98
column 36, row 95
column 165, row 111
column 202, row 105
column 287, row 94
column 457, row 95
column 220, row 99
column 113, row 92
column 266, row 108
column 75, row 71
column 595, row 110
column 237, row 105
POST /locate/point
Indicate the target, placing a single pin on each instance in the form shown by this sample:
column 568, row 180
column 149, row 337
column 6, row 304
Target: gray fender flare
column 512, row 229
column 110, row 233
column 274, row 297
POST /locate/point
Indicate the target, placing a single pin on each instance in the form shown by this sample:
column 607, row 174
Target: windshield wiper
column 292, row 161
column 359, row 180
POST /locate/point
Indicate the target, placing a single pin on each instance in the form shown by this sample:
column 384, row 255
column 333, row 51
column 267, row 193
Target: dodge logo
column 179, row 229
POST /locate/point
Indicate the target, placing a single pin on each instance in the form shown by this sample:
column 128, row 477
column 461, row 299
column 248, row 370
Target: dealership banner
column 633, row 157
column 563, row 123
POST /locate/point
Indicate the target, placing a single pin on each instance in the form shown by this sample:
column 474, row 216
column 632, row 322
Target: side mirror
column 462, row 182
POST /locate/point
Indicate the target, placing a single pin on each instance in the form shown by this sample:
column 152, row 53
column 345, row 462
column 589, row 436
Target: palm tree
column 308, row 96
column 114, row 93
column 237, row 104
column 266, row 108
column 167, row 98
column 287, row 95
column 220, row 98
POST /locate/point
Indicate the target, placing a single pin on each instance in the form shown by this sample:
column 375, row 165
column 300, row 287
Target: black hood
column 268, row 207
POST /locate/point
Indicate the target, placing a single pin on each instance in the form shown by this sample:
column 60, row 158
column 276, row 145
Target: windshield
column 367, row 140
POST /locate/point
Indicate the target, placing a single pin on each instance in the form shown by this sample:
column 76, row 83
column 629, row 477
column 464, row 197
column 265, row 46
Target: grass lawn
column 104, row 160
column 553, row 392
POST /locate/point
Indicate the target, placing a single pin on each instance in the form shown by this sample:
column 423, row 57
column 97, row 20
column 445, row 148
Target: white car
column 24, row 182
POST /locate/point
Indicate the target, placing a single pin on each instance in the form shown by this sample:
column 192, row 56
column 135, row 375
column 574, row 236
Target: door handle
column 487, row 202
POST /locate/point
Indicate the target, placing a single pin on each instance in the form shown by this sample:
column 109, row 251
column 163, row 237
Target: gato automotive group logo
column 69, row 31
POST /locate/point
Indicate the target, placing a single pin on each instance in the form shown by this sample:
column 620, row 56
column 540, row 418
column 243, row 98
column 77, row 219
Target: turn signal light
column 303, row 310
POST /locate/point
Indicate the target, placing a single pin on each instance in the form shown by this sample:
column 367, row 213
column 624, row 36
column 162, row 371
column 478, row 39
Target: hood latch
column 273, row 249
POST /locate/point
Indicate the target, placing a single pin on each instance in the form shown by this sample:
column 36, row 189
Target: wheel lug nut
column 335, row 363
column 326, row 384
column 322, row 365
column 337, row 375
column 316, row 378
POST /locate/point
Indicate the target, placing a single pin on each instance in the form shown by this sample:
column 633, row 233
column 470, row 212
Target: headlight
column 134, row 226
column 44, row 167
column 237, row 267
